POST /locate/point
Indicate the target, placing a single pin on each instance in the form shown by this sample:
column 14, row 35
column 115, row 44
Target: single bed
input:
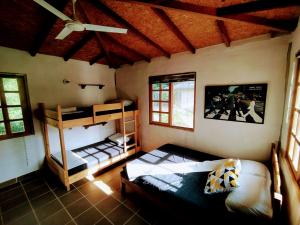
column 171, row 177
column 89, row 156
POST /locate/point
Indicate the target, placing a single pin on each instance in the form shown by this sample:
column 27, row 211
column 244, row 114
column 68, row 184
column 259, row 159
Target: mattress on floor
column 186, row 187
column 89, row 156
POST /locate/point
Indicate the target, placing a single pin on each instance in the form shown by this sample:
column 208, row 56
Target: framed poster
column 242, row 102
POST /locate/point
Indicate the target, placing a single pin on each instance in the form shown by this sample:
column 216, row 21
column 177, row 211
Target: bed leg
column 123, row 188
column 68, row 187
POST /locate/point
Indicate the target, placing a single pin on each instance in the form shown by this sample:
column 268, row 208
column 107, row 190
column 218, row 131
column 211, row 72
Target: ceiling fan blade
column 52, row 10
column 100, row 28
column 64, row 33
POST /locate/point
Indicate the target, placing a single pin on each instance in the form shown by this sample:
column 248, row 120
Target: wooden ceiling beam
column 47, row 26
column 99, row 38
column 74, row 49
column 223, row 31
column 212, row 13
column 122, row 58
column 256, row 6
column 103, row 47
column 175, row 30
column 117, row 43
column 105, row 9
column 95, row 59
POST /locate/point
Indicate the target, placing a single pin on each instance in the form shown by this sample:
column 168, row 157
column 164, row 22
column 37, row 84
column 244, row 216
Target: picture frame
column 236, row 102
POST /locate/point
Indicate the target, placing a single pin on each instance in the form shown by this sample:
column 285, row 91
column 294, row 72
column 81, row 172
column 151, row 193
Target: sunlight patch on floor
column 103, row 187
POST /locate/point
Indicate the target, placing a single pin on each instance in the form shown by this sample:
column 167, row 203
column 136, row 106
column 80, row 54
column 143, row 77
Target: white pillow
column 127, row 102
column 253, row 196
column 254, row 168
column 118, row 138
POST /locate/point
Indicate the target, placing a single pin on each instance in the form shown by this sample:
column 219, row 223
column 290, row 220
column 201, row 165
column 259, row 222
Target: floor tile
column 61, row 190
column 96, row 196
column 103, row 222
column 42, row 200
column 119, row 196
column 90, row 216
column 59, row 218
column 88, row 188
column 48, row 209
column 71, row 223
column 81, row 182
column 33, row 184
column 107, row 205
column 120, row 215
column 28, row 219
column 78, row 207
column 136, row 220
column 8, row 194
column 40, row 190
column 71, row 197
column 16, row 212
column 13, row 202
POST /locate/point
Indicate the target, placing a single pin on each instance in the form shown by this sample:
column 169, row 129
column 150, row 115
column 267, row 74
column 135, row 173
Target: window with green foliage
column 15, row 111
column 172, row 99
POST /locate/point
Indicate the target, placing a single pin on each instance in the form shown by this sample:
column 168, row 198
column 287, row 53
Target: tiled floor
column 42, row 200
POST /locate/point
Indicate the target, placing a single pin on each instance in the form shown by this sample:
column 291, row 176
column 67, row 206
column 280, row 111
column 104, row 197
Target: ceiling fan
column 74, row 24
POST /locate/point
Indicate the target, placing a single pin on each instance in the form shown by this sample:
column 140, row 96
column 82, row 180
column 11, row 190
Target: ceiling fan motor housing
column 75, row 26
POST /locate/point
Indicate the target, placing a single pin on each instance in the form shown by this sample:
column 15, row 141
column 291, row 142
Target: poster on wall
column 242, row 102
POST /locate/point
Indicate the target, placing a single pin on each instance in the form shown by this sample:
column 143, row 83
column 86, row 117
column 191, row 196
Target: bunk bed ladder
column 133, row 133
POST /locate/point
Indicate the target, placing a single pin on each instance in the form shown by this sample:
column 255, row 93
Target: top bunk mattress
column 175, row 176
column 89, row 156
column 84, row 112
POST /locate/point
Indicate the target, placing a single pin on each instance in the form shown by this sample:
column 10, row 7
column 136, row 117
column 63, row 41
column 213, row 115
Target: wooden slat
column 255, row 6
column 106, row 107
column 223, row 31
column 108, row 117
column 52, row 122
column 51, row 114
column 74, row 49
column 175, row 30
column 105, row 9
column 47, row 26
column 128, row 49
column 276, row 171
column 212, row 13
column 78, row 122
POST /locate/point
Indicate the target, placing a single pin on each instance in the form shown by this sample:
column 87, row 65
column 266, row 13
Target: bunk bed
column 71, row 166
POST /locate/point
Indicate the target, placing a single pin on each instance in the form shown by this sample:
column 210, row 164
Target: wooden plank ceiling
column 155, row 27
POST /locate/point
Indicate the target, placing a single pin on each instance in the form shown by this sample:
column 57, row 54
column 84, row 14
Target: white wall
column 261, row 60
column 45, row 75
column 292, row 189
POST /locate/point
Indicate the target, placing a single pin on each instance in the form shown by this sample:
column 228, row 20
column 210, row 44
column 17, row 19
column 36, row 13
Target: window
column 172, row 100
column 293, row 148
column 15, row 112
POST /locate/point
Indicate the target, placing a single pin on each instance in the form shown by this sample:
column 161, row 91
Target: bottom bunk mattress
column 89, row 156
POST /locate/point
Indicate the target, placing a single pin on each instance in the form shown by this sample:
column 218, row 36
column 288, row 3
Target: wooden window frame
column 170, row 101
column 291, row 134
column 24, row 104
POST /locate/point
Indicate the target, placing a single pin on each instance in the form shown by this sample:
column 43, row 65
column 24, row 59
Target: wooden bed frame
column 173, row 208
column 54, row 118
